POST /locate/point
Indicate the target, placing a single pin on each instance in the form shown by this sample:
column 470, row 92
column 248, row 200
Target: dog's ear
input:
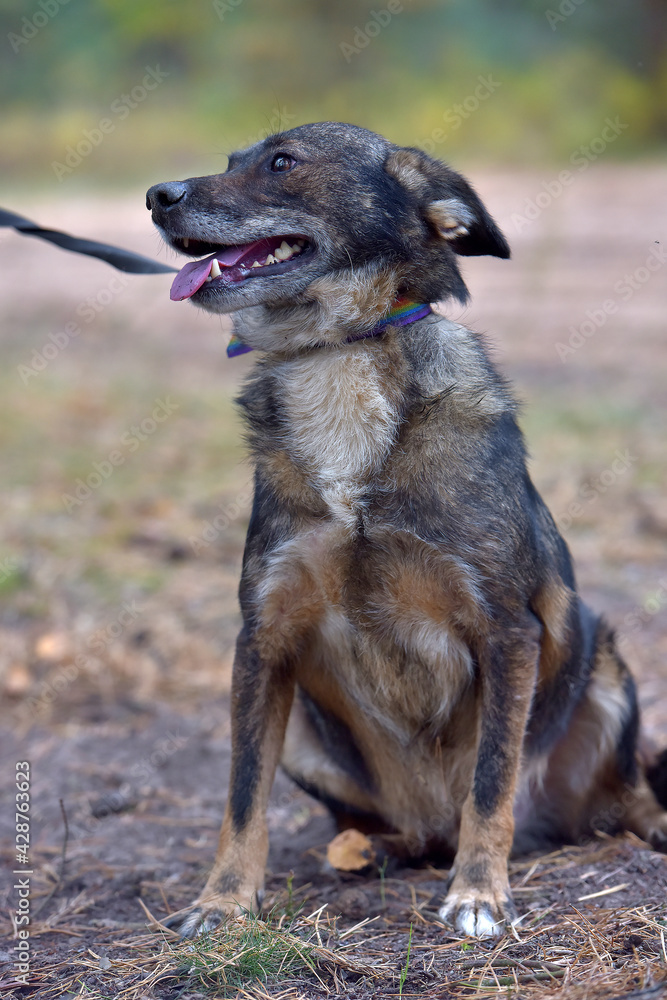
column 448, row 203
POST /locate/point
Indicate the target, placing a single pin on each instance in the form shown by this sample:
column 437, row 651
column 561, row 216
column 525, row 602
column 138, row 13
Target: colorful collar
column 403, row 312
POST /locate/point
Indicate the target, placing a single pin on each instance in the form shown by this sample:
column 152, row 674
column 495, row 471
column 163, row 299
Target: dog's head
column 319, row 205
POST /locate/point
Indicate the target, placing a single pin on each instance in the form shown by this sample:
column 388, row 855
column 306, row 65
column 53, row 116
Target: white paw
column 472, row 921
column 477, row 915
column 194, row 921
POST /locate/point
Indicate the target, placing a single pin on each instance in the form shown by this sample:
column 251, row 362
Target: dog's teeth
column 215, row 269
column 186, row 242
column 295, row 249
column 270, row 259
column 301, row 243
column 284, row 252
column 256, row 264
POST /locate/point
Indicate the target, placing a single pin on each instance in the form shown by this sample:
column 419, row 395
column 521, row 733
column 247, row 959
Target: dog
column 413, row 649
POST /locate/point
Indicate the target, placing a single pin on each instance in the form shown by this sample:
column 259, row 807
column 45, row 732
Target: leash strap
column 122, row 260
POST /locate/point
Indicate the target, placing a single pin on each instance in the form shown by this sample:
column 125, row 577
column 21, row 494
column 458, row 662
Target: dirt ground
column 119, row 610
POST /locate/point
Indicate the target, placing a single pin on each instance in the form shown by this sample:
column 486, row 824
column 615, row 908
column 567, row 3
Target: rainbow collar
column 403, row 312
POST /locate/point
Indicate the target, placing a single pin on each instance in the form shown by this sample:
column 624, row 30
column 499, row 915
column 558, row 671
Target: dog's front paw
column 207, row 913
column 478, row 913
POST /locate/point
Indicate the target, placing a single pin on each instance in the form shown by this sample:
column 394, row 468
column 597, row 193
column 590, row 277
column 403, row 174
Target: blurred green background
column 229, row 70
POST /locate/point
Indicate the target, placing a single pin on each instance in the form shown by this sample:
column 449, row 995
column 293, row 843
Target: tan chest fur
column 342, row 421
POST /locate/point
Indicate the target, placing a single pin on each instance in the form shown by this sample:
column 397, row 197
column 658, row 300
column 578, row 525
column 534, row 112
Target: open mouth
column 231, row 265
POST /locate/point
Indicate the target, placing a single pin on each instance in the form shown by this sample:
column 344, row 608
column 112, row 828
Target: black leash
column 123, row 260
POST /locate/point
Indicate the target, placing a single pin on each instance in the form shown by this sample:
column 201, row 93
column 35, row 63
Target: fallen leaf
column 17, row 679
column 52, row 646
column 350, row 851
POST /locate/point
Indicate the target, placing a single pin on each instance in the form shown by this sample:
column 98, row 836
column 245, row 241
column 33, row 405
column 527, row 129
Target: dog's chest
column 379, row 624
column 340, row 422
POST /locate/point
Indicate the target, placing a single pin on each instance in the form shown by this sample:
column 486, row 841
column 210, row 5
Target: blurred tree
column 233, row 64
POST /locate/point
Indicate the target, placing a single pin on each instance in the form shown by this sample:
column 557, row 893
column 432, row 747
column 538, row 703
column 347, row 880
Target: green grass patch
column 404, row 971
column 243, row 951
column 13, row 577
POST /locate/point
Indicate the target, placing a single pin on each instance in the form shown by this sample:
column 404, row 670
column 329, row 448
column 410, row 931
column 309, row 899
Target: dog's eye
column 282, row 163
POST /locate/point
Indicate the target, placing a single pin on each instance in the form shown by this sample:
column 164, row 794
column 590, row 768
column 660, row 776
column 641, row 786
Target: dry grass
column 568, row 943
column 566, row 951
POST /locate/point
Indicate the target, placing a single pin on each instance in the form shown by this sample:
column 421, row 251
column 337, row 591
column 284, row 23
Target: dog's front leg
column 262, row 694
column 479, row 901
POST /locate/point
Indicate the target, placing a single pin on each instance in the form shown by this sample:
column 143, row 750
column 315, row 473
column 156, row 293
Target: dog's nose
column 165, row 196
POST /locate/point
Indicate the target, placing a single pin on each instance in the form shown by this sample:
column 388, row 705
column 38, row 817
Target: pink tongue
column 190, row 278
column 193, row 275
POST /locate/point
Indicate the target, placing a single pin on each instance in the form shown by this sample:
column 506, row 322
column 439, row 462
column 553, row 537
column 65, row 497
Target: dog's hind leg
column 595, row 780
column 620, row 797
column 320, row 755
